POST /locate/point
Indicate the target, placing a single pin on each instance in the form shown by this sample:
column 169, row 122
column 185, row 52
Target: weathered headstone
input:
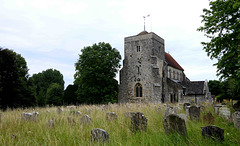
column 59, row 110
column 169, row 110
column 129, row 114
column 185, row 105
column 50, row 123
column 173, row 123
column 225, row 112
column 213, row 132
column 236, row 119
column 183, row 116
column 30, row 116
column 217, row 107
column 85, row 119
column 194, row 113
column 111, row 116
column 138, row 122
column 71, row 121
column 99, row 135
column 187, row 109
column 209, row 118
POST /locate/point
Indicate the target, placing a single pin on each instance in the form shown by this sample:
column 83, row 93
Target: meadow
column 15, row 131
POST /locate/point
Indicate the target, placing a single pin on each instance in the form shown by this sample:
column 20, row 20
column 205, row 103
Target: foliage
column 228, row 89
column 222, row 27
column 70, row 96
column 54, row 94
column 43, row 81
column 64, row 133
column 95, row 72
column 17, row 89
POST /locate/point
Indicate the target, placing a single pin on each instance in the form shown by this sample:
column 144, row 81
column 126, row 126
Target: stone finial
column 213, row 132
column 138, row 122
column 111, row 116
column 99, row 135
column 173, row 123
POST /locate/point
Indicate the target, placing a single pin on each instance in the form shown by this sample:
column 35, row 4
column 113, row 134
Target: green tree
column 54, row 94
column 222, row 27
column 17, row 89
column 95, row 72
column 215, row 87
column 43, row 81
column 70, row 96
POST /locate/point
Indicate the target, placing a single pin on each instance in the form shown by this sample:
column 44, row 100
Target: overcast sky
column 51, row 33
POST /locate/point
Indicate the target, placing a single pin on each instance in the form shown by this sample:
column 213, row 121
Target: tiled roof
column 172, row 62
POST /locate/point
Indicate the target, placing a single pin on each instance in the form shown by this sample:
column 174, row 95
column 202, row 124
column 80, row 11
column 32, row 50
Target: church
column 151, row 75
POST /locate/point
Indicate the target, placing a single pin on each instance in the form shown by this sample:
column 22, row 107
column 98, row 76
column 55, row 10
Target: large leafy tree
column 17, row 90
column 43, row 80
column 70, row 96
column 222, row 27
column 95, row 72
column 54, row 94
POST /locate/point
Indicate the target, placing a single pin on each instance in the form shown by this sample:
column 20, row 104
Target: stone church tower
column 144, row 73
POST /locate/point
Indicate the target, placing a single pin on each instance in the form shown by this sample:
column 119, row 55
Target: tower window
column 138, row 48
column 138, row 90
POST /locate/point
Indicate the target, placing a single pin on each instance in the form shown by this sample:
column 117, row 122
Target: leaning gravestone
column 209, row 118
column 217, row 107
column 138, row 122
column 85, row 119
column 213, row 132
column 111, row 116
column 194, row 113
column 173, row 123
column 236, row 119
column 99, row 135
column 185, row 105
column 225, row 112
column 50, row 123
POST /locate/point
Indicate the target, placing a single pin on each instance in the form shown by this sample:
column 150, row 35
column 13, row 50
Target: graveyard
column 121, row 124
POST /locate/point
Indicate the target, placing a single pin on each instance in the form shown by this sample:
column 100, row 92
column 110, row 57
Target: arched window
column 138, row 90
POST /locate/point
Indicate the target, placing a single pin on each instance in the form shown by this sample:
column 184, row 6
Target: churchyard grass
column 15, row 131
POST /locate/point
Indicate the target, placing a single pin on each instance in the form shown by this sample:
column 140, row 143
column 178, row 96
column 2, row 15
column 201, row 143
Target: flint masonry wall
column 143, row 63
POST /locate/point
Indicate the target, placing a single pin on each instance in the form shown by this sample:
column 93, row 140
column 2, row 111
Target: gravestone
column 185, row 105
column 99, row 135
column 236, row 119
column 213, row 132
column 71, row 121
column 138, row 122
column 129, row 114
column 50, row 123
column 111, row 116
column 217, row 107
column 209, row 118
column 187, row 110
column 173, row 123
column 85, row 119
column 224, row 112
column 194, row 113
column 169, row 110
column 59, row 110
column 183, row 116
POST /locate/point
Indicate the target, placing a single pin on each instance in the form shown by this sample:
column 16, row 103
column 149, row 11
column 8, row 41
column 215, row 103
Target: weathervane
column 144, row 20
